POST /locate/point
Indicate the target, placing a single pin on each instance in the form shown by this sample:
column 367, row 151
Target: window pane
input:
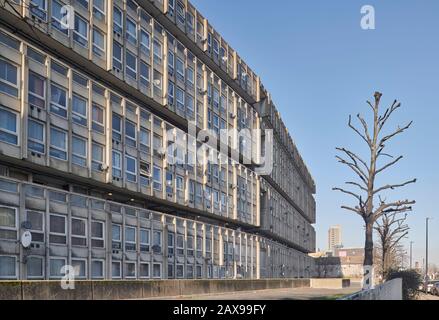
column 7, row 217
column 34, row 267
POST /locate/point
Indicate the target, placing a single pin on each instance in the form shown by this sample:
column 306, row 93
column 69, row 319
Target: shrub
column 411, row 279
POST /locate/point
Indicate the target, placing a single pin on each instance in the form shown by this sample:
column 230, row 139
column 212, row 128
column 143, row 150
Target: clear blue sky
column 321, row 66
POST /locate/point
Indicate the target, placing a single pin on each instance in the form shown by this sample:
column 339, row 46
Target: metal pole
column 411, row 253
column 426, row 253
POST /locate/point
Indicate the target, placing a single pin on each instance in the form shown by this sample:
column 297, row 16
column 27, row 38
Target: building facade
column 97, row 161
column 334, row 238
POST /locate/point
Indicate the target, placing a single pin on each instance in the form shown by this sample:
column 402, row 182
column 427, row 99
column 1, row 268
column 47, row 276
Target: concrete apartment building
column 92, row 120
column 334, row 237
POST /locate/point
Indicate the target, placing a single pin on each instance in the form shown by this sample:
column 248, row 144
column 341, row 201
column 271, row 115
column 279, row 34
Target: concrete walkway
column 275, row 294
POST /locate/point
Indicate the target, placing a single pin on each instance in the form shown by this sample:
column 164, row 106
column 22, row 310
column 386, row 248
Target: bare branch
column 356, row 210
column 357, row 131
column 354, row 167
column 356, row 184
column 398, row 131
column 354, row 157
column 350, row 193
column 394, row 186
column 389, row 165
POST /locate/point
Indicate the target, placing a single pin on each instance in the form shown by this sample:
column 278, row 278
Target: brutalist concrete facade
column 92, row 124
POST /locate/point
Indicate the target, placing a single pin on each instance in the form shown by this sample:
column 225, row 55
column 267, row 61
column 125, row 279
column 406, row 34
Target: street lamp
column 426, row 252
column 411, row 253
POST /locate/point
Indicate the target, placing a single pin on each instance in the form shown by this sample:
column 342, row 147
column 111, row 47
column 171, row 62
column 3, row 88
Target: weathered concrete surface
column 389, row 290
column 324, row 283
column 10, row 290
column 136, row 289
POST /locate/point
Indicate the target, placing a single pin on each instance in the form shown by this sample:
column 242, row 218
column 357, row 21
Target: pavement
column 275, row 294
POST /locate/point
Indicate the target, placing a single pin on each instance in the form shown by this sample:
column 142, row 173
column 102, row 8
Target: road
column 276, row 294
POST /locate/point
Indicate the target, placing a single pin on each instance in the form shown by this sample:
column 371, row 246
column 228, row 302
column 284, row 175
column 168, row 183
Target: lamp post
column 411, row 254
column 426, row 253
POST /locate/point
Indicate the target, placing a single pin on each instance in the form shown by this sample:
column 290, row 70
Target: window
column 117, row 127
column 145, row 42
column 57, row 229
column 58, row 100
column 180, row 184
column 190, row 106
column 171, row 7
column 80, row 267
column 55, row 267
column 34, row 267
column 180, row 13
column 171, row 244
column 97, row 118
column 200, row 31
column 8, row 267
column 169, row 180
column 9, row 186
column 79, row 232
column 97, row 157
column 144, row 270
column 157, row 80
column 39, row 9
column 157, row 241
column 157, row 178
column 216, row 48
column 36, row 56
column 58, row 15
column 8, row 223
column 36, row 137
column 216, row 98
column 144, row 240
column 79, row 151
column 180, row 245
column 190, row 22
column 156, row 270
column 56, row 67
column 117, row 20
column 158, row 51
column 130, row 238
column 130, row 133
column 190, row 246
column 199, row 247
column 190, row 76
column 180, row 99
column 180, row 69
column 145, row 74
column 116, row 237
column 170, row 271
column 37, row 91
column 9, row 41
column 145, row 140
column 116, row 271
column 191, row 191
column 180, row 271
column 131, row 169
column 144, row 174
column 8, row 78
column 117, row 56
column 171, row 63
column 130, row 270
column 157, row 144
column 131, row 33
column 83, row 3
column 80, row 34
column 98, row 43
column 99, row 9
column 79, row 110
column 97, row 234
column 97, row 269
column 8, row 126
column 117, row 164
column 199, row 272
column 58, row 144
column 131, row 65
column 36, row 219
column 170, row 93
column 189, row 271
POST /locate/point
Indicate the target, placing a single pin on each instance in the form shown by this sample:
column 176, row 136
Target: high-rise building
column 98, row 162
column 334, row 237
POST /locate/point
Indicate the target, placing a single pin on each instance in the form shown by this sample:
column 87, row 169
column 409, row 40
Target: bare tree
column 370, row 205
column 391, row 228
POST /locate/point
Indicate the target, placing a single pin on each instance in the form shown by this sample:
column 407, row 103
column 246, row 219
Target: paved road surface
column 277, row 294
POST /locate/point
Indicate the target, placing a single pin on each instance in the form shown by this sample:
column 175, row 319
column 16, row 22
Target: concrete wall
column 390, row 290
column 113, row 290
column 330, row 283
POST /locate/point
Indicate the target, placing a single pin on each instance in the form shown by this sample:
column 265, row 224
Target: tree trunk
column 368, row 245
